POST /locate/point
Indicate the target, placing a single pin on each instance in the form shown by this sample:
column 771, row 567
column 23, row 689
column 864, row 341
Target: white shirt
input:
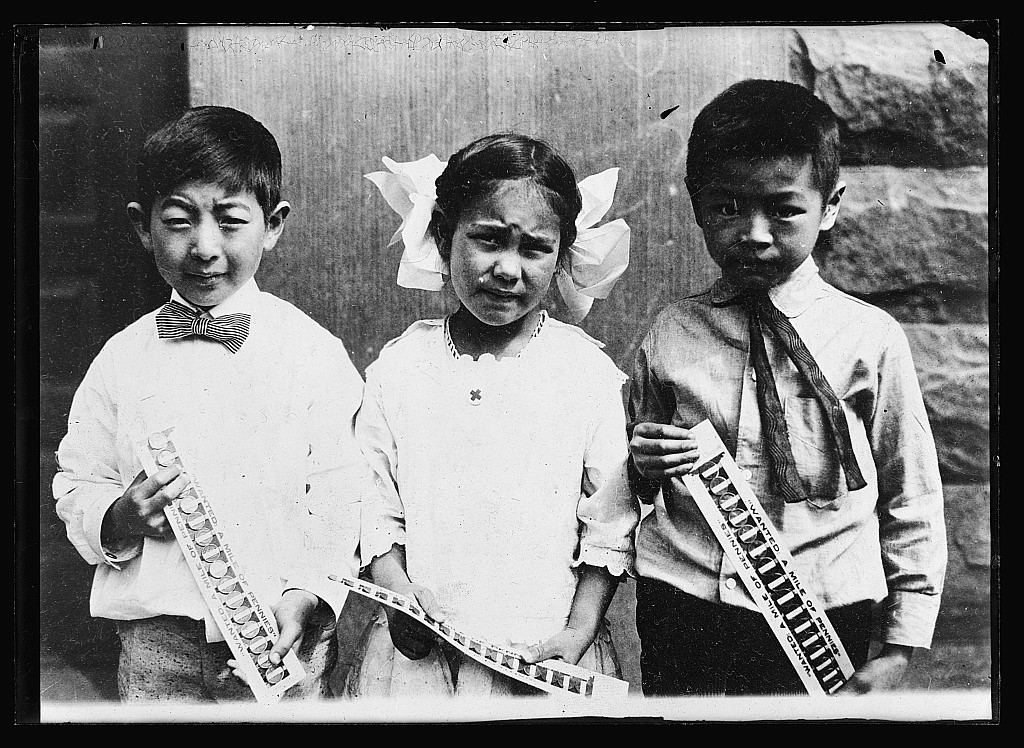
column 267, row 433
column 496, row 502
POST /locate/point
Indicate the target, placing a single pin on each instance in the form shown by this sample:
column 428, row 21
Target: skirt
column 380, row 670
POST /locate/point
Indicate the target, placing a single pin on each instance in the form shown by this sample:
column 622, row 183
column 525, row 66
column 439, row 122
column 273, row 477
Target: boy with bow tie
column 815, row 395
column 261, row 398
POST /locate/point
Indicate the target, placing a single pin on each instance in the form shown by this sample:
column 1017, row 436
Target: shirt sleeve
column 383, row 513
column 910, row 504
column 335, row 477
column 89, row 481
column 608, row 513
column 646, row 404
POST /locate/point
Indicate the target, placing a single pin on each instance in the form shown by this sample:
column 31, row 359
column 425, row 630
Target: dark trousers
column 690, row 646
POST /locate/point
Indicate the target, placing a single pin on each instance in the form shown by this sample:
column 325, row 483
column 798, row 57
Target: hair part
column 478, row 168
column 216, row 145
column 756, row 119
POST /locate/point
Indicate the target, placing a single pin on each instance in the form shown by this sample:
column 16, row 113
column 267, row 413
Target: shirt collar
column 792, row 296
column 242, row 300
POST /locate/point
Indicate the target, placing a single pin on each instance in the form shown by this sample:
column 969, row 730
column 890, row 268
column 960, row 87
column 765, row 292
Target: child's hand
column 140, row 510
column 660, row 450
column 410, row 637
column 292, row 611
column 881, row 673
column 233, row 668
column 569, row 645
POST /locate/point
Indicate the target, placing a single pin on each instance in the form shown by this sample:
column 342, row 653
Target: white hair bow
column 595, row 261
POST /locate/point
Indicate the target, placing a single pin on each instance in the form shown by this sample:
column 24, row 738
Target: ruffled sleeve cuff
column 908, row 618
column 379, row 540
column 618, row 563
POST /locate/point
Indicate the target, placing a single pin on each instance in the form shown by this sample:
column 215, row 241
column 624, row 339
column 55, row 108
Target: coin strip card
column 553, row 676
column 247, row 624
column 752, row 544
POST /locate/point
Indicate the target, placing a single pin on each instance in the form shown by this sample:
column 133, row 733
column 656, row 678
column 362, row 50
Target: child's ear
column 275, row 225
column 140, row 222
column 693, row 204
column 438, row 231
column 828, row 219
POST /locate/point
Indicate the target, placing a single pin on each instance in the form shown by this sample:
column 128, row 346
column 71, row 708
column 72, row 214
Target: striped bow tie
column 176, row 320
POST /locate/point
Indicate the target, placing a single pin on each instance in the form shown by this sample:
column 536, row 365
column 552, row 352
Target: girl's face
column 504, row 252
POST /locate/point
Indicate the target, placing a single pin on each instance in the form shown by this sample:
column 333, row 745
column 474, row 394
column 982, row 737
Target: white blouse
column 498, row 476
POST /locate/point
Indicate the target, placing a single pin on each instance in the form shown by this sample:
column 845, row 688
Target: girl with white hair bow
column 496, row 434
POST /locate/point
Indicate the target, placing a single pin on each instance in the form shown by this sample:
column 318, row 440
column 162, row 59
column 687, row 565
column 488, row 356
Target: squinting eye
column 538, row 250
column 730, row 208
column 787, row 212
column 176, row 223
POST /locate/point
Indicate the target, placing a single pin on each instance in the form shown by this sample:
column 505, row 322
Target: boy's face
column 207, row 243
column 761, row 218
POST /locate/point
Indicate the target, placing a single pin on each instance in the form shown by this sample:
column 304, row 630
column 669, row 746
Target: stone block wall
column 913, row 238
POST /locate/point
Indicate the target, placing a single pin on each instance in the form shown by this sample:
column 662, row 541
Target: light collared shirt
column 267, row 432
column 885, row 541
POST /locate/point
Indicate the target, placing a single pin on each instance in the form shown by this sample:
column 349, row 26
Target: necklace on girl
column 479, row 382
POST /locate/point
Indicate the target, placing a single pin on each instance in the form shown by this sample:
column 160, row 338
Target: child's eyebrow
column 731, row 192
column 173, row 201
column 489, row 224
column 186, row 204
column 231, row 203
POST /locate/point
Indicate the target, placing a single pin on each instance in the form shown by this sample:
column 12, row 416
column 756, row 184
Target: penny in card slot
column 228, row 585
column 738, row 517
column 808, row 638
column 204, row 536
column 276, row 675
column 259, row 643
column 803, row 626
column 157, row 441
column 249, row 629
column 709, row 469
column 235, row 600
column 211, row 553
column 197, row 520
column 218, row 569
column 747, row 534
column 242, row 615
column 166, row 457
column 188, row 502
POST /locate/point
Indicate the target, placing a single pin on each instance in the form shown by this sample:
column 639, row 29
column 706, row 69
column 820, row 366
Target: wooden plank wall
column 339, row 98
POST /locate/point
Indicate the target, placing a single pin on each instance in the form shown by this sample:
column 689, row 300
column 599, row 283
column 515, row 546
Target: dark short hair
column 756, row 119
column 476, row 169
column 212, row 144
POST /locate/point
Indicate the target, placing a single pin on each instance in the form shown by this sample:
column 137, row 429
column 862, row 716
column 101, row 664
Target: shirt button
column 730, row 583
